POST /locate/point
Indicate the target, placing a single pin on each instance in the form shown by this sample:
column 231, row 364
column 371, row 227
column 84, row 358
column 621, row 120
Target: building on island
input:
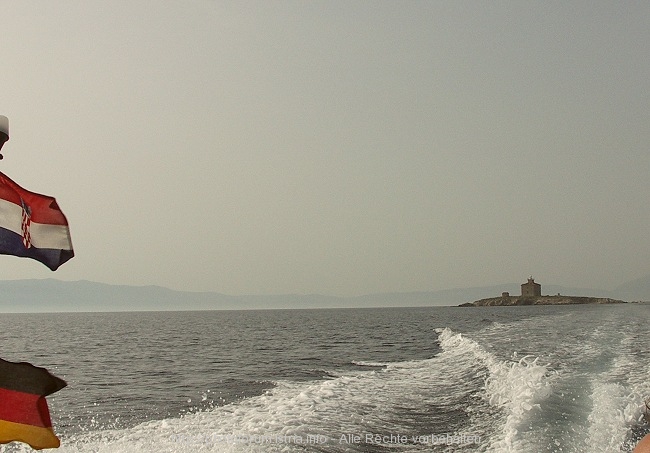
column 530, row 288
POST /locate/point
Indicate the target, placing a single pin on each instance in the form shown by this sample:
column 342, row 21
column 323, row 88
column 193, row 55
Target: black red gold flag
column 24, row 415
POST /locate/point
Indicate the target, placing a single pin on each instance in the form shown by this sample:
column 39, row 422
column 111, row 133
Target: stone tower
column 530, row 288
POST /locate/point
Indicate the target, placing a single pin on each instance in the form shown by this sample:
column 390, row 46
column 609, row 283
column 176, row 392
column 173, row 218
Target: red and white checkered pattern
column 27, row 220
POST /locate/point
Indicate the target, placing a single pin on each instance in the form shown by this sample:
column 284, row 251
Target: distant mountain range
column 50, row 295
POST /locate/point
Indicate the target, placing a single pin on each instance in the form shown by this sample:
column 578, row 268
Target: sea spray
column 617, row 396
column 516, row 387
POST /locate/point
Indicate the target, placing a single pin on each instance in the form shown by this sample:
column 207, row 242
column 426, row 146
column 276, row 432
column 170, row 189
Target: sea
column 439, row 379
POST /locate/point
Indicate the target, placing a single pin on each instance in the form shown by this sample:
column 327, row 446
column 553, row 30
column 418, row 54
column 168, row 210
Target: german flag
column 24, row 415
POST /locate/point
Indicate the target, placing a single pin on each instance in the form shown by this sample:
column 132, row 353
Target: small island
column 531, row 294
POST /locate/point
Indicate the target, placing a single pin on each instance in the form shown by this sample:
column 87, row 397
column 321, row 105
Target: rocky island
column 531, row 294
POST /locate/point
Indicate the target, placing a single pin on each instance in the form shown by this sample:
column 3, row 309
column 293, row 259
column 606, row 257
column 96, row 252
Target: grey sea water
column 492, row 379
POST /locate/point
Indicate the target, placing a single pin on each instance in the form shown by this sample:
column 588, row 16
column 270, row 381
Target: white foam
column 618, row 400
column 615, row 410
column 370, row 364
column 357, row 402
column 516, row 387
column 282, row 419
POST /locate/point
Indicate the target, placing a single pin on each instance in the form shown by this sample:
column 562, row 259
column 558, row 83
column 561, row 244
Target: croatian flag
column 32, row 226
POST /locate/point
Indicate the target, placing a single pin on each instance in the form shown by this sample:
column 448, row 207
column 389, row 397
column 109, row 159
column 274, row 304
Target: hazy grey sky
column 334, row 147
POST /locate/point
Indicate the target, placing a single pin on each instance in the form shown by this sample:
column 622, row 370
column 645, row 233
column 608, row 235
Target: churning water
column 493, row 379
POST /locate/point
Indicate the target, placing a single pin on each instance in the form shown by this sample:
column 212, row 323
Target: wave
column 370, row 364
column 616, row 418
column 516, row 388
column 507, row 388
column 464, row 393
column 284, row 418
column 595, row 384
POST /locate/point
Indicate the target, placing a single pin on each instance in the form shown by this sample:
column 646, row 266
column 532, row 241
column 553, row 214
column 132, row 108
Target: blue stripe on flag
column 12, row 244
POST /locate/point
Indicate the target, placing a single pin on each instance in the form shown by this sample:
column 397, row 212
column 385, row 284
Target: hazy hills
column 50, row 295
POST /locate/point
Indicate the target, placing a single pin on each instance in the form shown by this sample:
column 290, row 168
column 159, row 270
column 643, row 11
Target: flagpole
column 4, row 131
column 26, row 418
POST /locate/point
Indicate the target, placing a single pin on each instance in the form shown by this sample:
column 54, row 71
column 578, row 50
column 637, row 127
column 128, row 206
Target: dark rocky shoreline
column 506, row 301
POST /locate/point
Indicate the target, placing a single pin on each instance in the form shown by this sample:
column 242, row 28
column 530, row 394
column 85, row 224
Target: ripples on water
column 541, row 379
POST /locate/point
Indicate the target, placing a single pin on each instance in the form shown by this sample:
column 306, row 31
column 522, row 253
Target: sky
column 334, row 147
